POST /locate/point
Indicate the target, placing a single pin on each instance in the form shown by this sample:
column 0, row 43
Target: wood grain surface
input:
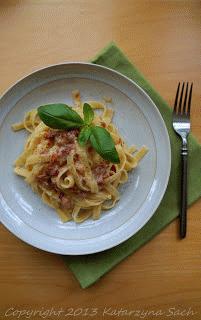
column 163, row 38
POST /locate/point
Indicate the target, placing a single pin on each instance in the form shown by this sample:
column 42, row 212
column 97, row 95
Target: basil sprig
column 84, row 135
column 88, row 113
column 103, row 143
column 61, row 116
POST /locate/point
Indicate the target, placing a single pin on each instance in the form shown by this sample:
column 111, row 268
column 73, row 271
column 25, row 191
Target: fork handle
column 183, row 213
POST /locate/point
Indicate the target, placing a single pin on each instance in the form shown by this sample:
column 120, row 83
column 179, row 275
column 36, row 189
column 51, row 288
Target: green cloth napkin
column 89, row 268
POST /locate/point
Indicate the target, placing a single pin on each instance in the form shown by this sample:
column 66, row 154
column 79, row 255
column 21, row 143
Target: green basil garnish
column 60, row 116
column 103, row 143
column 84, row 135
column 88, row 113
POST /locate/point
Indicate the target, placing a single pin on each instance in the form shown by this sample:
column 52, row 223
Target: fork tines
column 185, row 109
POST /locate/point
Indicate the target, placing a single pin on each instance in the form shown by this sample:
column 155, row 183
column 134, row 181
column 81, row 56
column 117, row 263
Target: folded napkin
column 89, row 268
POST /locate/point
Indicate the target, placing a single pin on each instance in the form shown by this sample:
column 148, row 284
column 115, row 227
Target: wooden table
column 163, row 39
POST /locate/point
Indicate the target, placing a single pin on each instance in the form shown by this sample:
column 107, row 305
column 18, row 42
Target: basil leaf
column 88, row 113
column 60, row 116
column 84, row 135
column 103, row 143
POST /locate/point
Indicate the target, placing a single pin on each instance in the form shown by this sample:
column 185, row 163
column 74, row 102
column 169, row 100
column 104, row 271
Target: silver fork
column 181, row 124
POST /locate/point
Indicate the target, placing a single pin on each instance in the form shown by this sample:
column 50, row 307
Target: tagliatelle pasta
column 76, row 181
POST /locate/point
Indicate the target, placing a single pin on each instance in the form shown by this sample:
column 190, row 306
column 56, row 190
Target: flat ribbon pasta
column 74, row 180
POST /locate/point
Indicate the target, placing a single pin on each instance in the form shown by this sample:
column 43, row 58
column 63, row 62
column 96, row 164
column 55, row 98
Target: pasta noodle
column 74, row 180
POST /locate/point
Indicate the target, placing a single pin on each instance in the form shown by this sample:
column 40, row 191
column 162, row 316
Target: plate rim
column 110, row 245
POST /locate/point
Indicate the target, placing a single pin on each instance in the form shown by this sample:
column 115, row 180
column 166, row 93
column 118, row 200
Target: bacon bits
column 100, row 172
column 59, row 145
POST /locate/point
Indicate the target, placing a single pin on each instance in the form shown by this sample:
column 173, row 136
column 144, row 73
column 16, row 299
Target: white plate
column 139, row 122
